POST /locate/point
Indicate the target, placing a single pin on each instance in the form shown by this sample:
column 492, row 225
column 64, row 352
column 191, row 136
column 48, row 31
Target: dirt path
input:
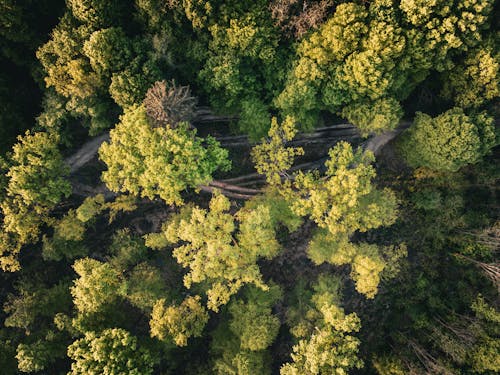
column 86, row 153
column 235, row 187
column 375, row 144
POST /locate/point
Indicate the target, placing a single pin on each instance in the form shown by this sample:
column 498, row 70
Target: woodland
column 236, row 187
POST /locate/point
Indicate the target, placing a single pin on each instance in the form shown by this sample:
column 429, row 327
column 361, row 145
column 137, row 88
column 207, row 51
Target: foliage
column 244, row 62
column 96, row 286
column 178, row 322
column 272, row 158
column 36, row 184
column 112, row 351
column 372, row 57
column 144, row 286
column 476, row 81
column 327, row 347
column 382, row 114
column 345, row 201
column 252, row 320
column 448, row 141
column 163, row 162
column 214, row 251
column 240, row 344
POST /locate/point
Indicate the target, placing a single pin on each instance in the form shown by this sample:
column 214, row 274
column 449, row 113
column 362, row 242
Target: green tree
column 35, row 186
column 272, row 158
column 345, row 201
column 96, row 286
column 218, row 249
column 475, row 81
column 366, row 59
column 376, row 116
column 448, row 141
column 178, row 323
column 325, row 344
column 240, row 341
column 39, row 355
column 244, row 62
column 112, row 351
column 66, row 240
column 97, row 13
column 143, row 286
column 150, row 162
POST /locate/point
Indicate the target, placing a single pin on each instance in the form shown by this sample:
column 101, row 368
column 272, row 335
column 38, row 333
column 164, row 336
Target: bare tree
column 297, row 17
column 169, row 104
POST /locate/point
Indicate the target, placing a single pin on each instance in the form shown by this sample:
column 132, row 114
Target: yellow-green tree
column 35, row 185
column 218, row 248
column 158, row 161
column 178, row 323
column 325, row 344
column 449, row 141
column 112, row 351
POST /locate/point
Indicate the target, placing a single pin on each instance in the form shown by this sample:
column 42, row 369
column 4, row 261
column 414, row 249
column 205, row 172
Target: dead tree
column 169, row 104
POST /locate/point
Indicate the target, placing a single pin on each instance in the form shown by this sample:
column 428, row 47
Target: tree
column 252, row 319
column 36, row 184
column 112, row 351
column 167, row 105
column 66, row 240
column 341, row 203
column 345, row 201
column 448, row 141
column 143, row 286
column 272, row 158
column 476, row 81
column 178, row 323
column 244, row 62
column 240, row 342
column 326, row 346
column 39, row 355
column 215, row 252
column 97, row 13
column 96, row 286
column 372, row 57
column 375, row 116
column 160, row 161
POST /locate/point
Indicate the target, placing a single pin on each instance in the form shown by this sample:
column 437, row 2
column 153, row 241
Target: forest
column 250, row 187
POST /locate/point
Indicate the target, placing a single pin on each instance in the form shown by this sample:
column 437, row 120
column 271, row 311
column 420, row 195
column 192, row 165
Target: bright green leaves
column 215, row 252
column 448, row 141
column 476, row 81
column 97, row 285
column 96, row 13
column 341, row 203
column 368, row 59
column 325, row 347
column 377, row 116
column 240, row 343
column 367, row 261
column 178, row 322
column 244, row 63
column 252, row 319
column 345, row 201
column 163, row 162
column 272, row 158
column 36, row 175
column 108, row 50
column 112, row 351
column 36, row 184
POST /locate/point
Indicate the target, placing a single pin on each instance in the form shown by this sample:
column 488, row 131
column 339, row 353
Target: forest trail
column 235, row 187
column 345, row 131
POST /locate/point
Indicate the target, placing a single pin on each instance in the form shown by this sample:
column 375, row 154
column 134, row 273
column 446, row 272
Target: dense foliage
column 138, row 236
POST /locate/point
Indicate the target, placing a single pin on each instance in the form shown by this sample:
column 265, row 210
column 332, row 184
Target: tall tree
column 158, row 161
column 448, row 141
